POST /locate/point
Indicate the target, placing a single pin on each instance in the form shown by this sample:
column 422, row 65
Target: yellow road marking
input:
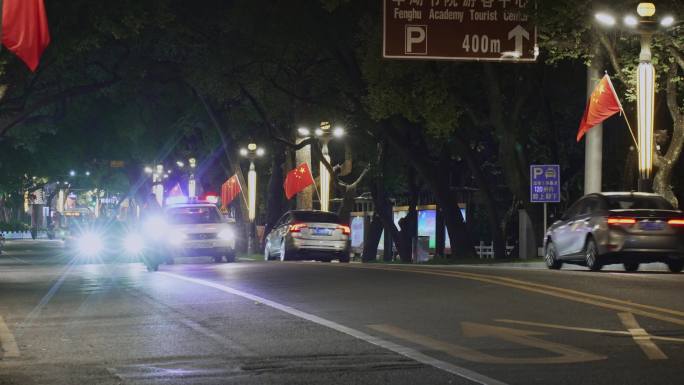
column 568, row 294
column 587, row 330
column 7, row 342
column 641, row 337
column 564, row 353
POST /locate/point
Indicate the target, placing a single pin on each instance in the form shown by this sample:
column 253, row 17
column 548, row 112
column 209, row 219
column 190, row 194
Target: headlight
column 90, row 244
column 176, row 238
column 133, row 244
column 155, row 227
column 226, row 234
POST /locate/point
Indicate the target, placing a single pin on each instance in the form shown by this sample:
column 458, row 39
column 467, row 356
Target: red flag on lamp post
column 602, row 104
column 297, row 180
column 25, row 29
column 229, row 190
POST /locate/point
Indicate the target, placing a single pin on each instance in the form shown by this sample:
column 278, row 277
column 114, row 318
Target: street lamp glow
column 72, row 173
column 180, row 164
column 338, row 132
column 252, row 147
column 244, row 152
column 193, row 162
column 631, row 21
column 148, row 170
column 303, row 131
column 87, row 173
column 260, row 152
column 645, row 109
column 605, row 19
column 251, row 192
column 646, row 9
column 319, row 132
column 667, row 21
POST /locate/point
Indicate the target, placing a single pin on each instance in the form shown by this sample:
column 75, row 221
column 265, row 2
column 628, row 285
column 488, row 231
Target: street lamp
column 72, row 173
column 251, row 152
column 325, row 134
column 192, row 185
column 645, row 26
column 157, row 184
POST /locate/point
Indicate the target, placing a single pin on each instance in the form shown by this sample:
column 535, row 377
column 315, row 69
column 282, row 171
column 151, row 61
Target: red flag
column 297, row 180
column 175, row 191
column 25, row 29
column 602, row 104
column 229, row 190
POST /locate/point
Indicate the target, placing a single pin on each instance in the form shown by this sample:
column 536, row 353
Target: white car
column 198, row 229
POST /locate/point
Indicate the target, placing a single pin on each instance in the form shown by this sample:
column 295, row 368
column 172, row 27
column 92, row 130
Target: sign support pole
column 545, row 216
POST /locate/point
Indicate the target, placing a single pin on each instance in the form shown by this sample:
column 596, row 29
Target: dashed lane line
column 400, row 349
column 7, row 342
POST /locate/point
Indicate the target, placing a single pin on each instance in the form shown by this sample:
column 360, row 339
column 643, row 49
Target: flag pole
column 629, row 127
column 316, row 188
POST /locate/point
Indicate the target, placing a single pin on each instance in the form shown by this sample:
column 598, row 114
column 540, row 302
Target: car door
column 273, row 237
column 582, row 224
column 563, row 234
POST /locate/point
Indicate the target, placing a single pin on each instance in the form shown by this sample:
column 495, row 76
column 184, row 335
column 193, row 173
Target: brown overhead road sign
column 473, row 30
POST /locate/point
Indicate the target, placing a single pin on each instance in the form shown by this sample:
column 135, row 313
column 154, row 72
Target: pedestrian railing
column 16, row 235
column 485, row 251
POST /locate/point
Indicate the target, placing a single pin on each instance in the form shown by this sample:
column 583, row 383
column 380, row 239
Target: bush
column 13, row 226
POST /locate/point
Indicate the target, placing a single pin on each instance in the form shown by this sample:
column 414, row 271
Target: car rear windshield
column 638, row 203
column 193, row 215
column 316, row 217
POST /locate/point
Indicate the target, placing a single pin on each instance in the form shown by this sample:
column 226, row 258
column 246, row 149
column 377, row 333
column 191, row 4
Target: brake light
column 621, row 221
column 676, row 222
column 297, row 227
column 345, row 229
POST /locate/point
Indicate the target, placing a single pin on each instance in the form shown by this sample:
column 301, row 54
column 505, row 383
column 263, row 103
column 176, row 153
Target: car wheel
column 631, row 266
column 217, row 258
column 230, row 257
column 551, row 257
column 676, row 266
column 152, row 267
column 591, row 256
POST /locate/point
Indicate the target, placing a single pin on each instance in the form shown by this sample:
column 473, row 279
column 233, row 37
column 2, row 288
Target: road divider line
column 641, row 337
column 399, row 349
column 571, row 295
column 7, row 342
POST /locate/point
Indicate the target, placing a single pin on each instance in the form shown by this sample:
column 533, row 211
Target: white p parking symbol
column 416, row 40
column 538, row 171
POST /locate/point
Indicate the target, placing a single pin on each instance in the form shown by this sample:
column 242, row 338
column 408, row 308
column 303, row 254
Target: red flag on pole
column 297, row 180
column 229, row 190
column 25, row 29
column 175, row 191
column 602, row 104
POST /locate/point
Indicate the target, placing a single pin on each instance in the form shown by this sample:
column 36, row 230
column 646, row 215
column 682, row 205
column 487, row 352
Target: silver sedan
column 619, row 227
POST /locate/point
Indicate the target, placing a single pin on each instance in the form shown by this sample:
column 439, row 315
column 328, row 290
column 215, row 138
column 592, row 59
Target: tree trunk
column 372, row 240
column 275, row 205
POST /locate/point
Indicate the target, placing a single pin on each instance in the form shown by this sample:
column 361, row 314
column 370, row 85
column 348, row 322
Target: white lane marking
column 403, row 350
column 641, row 337
column 7, row 342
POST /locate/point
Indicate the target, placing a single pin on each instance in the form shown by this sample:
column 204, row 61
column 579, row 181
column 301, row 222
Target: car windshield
column 638, row 203
column 316, row 217
column 193, row 215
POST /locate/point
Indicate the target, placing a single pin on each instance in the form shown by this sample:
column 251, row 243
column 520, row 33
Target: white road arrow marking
column 519, row 33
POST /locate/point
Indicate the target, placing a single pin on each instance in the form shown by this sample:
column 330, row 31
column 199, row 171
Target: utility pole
column 593, row 153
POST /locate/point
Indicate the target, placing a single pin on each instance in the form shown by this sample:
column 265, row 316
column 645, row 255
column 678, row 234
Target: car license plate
column 203, row 245
column 319, row 231
column 651, row 226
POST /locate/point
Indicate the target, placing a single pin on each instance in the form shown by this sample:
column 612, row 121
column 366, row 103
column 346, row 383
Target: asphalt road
column 197, row 322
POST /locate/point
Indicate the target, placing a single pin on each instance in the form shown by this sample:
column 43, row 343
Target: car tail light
column 297, row 227
column 676, row 222
column 345, row 229
column 614, row 221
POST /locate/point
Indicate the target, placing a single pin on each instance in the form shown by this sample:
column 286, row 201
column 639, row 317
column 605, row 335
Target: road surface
column 198, row 322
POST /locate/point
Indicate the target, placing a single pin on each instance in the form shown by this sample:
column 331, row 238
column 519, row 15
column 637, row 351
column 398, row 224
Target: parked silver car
column 618, row 227
column 308, row 235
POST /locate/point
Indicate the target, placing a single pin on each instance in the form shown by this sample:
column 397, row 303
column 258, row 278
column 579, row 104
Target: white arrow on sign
column 518, row 33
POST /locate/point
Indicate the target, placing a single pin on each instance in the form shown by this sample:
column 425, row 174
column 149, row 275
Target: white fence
column 10, row 235
column 485, row 251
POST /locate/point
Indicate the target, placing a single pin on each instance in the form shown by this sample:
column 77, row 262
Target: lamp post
column 192, row 185
column 645, row 25
column 251, row 152
column 158, row 184
column 325, row 134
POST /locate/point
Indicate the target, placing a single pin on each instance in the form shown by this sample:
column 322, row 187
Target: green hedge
column 13, row 226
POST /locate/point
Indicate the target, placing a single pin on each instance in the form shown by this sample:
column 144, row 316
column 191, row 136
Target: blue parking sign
column 545, row 183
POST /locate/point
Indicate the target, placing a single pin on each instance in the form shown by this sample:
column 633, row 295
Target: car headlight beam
column 226, row 234
column 133, row 244
column 90, row 244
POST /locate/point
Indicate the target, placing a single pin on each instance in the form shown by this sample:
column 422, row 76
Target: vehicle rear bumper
column 203, row 248
column 320, row 249
column 643, row 244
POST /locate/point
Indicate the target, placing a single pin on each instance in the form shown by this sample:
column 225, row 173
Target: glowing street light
column 72, row 173
column 646, row 26
column 325, row 134
column 192, row 184
column 251, row 152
